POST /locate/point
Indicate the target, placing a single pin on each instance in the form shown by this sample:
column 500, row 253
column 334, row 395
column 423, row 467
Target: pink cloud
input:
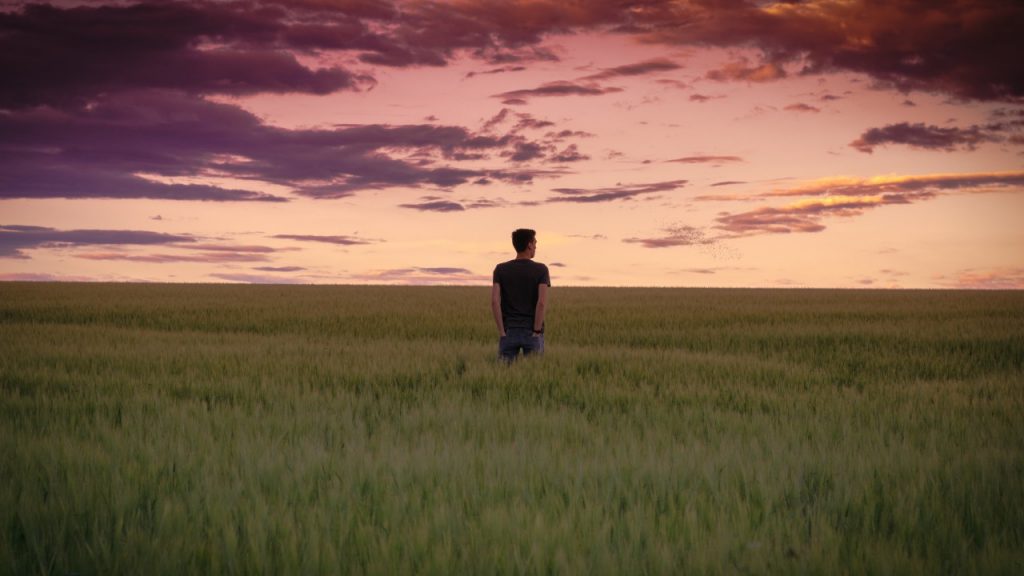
column 987, row 279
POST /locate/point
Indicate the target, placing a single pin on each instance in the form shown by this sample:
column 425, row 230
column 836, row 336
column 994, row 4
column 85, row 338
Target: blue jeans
column 516, row 339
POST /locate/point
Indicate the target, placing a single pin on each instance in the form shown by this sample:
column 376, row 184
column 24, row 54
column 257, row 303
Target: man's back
column 519, row 280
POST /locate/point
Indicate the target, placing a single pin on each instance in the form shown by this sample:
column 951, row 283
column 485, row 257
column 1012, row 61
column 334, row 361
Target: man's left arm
column 542, row 305
column 496, row 307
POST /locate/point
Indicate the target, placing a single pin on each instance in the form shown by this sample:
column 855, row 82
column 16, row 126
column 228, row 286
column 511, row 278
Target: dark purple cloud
column 14, row 238
column 525, row 151
column 60, row 57
column 640, row 68
column 522, row 121
column 527, row 122
column 501, row 70
column 560, row 88
column 101, row 150
column 340, row 240
column 922, row 136
column 728, row 183
column 563, row 134
column 582, row 195
column 964, row 48
column 570, row 154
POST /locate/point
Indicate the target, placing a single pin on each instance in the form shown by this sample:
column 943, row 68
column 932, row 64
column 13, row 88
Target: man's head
column 524, row 240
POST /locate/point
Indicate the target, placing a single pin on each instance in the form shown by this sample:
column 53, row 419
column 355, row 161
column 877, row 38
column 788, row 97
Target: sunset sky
column 846, row 143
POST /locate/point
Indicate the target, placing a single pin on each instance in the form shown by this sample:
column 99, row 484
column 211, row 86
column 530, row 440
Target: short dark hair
column 522, row 237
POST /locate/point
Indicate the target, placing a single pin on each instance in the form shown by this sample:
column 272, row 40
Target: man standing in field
column 519, row 297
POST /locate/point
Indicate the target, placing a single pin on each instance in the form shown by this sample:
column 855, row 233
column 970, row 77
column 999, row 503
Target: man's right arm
column 496, row 308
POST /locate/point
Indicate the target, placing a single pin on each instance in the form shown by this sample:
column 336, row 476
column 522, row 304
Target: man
column 519, row 297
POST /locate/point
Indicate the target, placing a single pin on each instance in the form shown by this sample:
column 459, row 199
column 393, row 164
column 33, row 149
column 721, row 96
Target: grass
column 172, row 429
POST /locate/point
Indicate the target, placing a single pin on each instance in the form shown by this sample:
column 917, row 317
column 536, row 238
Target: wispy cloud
column 15, row 239
column 677, row 235
column 972, row 182
column 279, row 268
column 588, row 195
column 707, row 159
column 424, row 276
column 1008, row 278
column 435, row 206
column 438, row 204
column 208, row 257
column 652, row 66
column 559, row 88
column 502, row 70
column 740, row 71
column 243, row 278
column 801, row 107
column 847, row 197
column 43, row 277
column 570, row 154
column 339, row 240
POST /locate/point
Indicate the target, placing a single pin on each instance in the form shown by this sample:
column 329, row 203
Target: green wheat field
column 225, row 429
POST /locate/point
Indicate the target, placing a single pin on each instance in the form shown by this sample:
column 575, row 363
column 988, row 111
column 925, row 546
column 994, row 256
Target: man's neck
column 523, row 256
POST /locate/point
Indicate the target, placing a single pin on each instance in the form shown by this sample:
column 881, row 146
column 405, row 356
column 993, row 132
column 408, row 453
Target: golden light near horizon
column 668, row 143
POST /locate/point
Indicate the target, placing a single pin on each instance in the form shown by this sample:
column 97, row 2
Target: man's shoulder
column 521, row 263
column 504, row 265
column 520, row 267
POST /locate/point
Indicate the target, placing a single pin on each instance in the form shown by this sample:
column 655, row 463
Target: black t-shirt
column 519, row 280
